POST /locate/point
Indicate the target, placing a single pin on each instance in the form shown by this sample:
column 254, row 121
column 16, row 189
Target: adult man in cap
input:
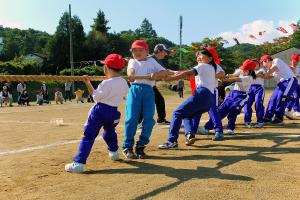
column 159, row 53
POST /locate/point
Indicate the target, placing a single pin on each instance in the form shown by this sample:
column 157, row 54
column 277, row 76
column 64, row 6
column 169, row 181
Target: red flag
column 214, row 43
column 261, row 33
column 252, row 37
column 281, row 29
column 294, row 26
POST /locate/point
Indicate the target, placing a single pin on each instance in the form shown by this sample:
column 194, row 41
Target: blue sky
column 201, row 18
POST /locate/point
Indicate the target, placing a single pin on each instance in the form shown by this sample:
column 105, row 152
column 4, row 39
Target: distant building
column 284, row 55
column 40, row 58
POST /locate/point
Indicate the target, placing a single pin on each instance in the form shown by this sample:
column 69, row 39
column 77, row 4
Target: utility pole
column 180, row 41
column 71, row 47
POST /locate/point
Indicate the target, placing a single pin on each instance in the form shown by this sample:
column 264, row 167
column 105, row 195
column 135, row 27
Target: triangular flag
column 236, row 41
column 294, row 26
column 184, row 50
column 281, row 29
column 261, row 33
column 252, row 37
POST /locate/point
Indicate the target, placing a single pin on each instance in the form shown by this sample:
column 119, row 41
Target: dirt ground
column 253, row 164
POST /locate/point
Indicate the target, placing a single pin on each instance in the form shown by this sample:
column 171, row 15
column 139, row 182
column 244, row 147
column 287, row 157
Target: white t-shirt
column 284, row 72
column 259, row 81
column 237, row 72
column 243, row 86
column 219, row 69
column 206, row 76
column 145, row 67
column 111, row 91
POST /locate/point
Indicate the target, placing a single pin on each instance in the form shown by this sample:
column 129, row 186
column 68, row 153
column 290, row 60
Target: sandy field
column 253, row 164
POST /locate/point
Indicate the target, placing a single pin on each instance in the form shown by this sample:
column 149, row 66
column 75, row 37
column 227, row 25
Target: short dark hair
column 114, row 69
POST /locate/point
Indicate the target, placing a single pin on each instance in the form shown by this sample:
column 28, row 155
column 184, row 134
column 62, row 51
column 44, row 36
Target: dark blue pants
column 256, row 93
column 101, row 115
column 294, row 101
column 215, row 121
column 232, row 106
column 280, row 97
column 197, row 104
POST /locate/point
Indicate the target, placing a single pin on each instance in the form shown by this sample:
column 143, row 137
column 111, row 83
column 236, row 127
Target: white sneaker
column 289, row 114
column 297, row 114
column 201, row 130
column 230, row 132
column 247, row 124
column 74, row 167
column 113, row 155
column 259, row 125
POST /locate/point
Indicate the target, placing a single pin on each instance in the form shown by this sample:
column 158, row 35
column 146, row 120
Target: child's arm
column 130, row 74
column 89, row 85
column 159, row 75
column 231, row 79
column 270, row 72
column 181, row 75
column 220, row 75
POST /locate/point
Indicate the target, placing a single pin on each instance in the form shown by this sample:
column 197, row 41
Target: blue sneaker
column 230, row 132
column 201, row 130
column 218, row 136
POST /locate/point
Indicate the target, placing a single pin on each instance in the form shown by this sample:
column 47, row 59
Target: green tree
column 146, row 30
column 100, row 23
column 58, row 46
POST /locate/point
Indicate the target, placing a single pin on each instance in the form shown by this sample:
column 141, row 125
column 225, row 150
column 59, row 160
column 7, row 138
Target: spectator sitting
column 24, row 99
column 39, row 98
column 79, row 94
column 58, row 97
column 5, row 96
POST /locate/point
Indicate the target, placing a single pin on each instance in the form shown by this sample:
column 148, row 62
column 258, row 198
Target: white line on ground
column 46, row 146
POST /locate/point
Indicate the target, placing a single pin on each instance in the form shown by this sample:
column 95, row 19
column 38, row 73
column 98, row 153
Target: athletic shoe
column 259, row 125
column 190, row 139
column 113, row 155
column 163, row 122
column 139, row 152
column 128, row 153
column 267, row 121
column 74, row 167
column 218, row 136
column 230, row 132
column 289, row 115
column 247, row 124
column 201, row 130
column 296, row 114
column 277, row 121
column 168, row 145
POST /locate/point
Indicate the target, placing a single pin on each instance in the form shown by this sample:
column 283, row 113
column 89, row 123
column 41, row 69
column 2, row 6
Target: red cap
column 295, row 58
column 214, row 54
column 248, row 65
column 265, row 57
column 114, row 61
column 139, row 44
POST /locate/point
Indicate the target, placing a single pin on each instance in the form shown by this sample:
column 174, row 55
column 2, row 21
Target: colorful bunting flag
column 281, row 29
column 236, row 41
column 252, row 37
column 261, row 33
column 294, row 26
column 183, row 50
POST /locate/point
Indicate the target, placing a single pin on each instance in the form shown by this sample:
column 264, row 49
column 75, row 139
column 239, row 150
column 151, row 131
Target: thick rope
column 17, row 78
